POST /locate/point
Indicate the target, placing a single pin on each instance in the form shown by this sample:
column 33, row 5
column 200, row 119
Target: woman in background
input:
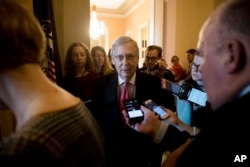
column 188, row 112
column 102, row 65
column 177, row 69
column 80, row 73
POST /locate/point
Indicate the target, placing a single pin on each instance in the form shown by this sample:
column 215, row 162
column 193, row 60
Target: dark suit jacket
column 222, row 138
column 124, row 146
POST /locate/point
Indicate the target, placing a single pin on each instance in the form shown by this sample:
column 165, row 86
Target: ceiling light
column 97, row 28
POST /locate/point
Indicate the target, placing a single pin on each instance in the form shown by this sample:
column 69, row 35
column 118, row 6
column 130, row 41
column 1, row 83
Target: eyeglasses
column 128, row 57
column 151, row 58
column 195, row 66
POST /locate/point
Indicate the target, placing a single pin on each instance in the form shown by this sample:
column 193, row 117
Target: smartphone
column 134, row 111
column 185, row 92
column 197, row 96
column 157, row 109
column 170, row 86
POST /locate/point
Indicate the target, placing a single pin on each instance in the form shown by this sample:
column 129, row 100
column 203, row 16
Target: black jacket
column 124, row 146
column 224, row 136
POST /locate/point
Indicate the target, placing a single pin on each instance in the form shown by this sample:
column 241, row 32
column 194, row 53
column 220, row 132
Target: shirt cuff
column 160, row 133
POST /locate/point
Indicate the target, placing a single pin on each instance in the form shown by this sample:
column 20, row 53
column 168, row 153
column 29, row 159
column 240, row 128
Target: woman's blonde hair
column 107, row 68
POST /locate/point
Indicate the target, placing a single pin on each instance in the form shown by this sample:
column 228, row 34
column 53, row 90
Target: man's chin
column 127, row 75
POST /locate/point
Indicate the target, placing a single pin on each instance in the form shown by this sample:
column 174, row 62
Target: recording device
column 134, row 111
column 157, row 109
column 185, row 92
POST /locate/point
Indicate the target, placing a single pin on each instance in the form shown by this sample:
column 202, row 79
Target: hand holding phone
column 185, row 92
column 157, row 109
column 134, row 111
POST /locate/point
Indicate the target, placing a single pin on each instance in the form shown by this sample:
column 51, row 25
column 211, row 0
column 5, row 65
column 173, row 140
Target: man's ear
column 236, row 59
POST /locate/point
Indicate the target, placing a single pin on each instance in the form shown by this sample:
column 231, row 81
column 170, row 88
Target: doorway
column 143, row 42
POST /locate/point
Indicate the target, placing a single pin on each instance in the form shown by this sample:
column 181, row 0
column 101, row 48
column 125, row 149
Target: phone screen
column 153, row 106
column 133, row 109
column 170, row 86
column 185, row 92
column 135, row 113
column 197, row 96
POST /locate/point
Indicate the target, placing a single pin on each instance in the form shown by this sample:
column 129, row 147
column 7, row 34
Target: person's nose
column 125, row 60
column 78, row 56
column 199, row 69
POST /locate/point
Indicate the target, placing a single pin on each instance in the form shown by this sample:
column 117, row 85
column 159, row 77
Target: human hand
column 162, row 64
column 174, row 120
column 173, row 157
column 151, row 122
column 149, row 125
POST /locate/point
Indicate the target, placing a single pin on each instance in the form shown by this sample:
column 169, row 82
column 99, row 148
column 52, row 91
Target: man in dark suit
column 224, row 46
column 125, row 146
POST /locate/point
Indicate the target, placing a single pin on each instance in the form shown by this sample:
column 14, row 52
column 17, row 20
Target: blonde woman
column 101, row 62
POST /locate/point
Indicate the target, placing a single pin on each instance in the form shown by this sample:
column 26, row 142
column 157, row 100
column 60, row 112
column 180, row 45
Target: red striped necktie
column 124, row 95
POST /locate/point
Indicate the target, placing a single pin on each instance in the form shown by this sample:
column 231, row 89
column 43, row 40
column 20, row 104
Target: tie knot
column 125, row 84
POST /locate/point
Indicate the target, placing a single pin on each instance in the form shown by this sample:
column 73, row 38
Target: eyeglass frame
column 151, row 58
column 129, row 57
column 195, row 66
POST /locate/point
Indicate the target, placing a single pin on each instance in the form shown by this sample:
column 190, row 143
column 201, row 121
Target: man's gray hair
column 122, row 40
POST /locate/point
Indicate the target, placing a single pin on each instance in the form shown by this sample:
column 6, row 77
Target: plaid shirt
column 64, row 138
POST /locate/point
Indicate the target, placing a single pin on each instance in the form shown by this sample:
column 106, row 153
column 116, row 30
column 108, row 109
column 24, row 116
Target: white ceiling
column 108, row 4
column 115, row 7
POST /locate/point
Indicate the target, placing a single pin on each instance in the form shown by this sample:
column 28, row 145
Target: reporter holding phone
column 171, row 128
column 224, row 46
column 191, row 113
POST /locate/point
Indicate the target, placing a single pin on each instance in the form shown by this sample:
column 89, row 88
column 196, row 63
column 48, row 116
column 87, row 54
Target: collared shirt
column 131, row 86
column 163, row 128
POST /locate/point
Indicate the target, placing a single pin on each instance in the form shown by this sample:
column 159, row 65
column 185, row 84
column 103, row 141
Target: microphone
column 185, row 92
